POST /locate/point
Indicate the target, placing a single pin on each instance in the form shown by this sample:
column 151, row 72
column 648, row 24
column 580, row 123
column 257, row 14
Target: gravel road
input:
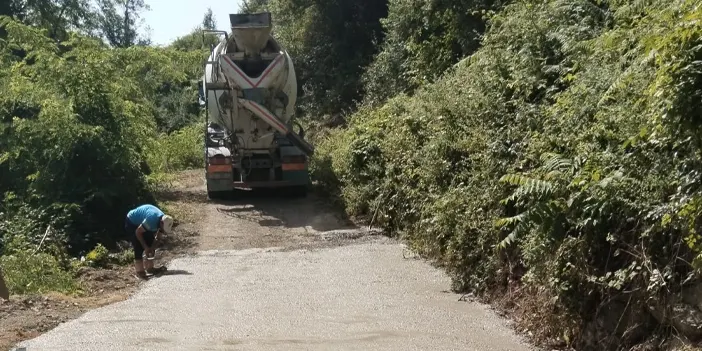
column 284, row 274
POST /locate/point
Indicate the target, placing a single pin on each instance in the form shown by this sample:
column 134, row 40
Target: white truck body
column 249, row 89
column 253, row 121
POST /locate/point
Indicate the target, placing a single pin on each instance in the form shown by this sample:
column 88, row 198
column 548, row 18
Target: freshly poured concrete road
column 362, row 295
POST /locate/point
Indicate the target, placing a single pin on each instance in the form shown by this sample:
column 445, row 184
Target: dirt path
column 267, row 272
column 266, row 219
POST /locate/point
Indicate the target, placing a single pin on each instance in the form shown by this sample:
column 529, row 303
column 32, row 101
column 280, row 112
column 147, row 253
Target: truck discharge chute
column 249, row 91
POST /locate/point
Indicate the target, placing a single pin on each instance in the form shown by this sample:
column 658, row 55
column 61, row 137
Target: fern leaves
column 542, row 214
column 531, row 189
column 528, row 187
column 537, row 196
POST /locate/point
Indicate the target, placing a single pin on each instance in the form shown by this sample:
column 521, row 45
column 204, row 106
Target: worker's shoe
column 141, row 275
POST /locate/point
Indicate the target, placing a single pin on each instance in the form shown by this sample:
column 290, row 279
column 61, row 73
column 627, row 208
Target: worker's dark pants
column 149, row 237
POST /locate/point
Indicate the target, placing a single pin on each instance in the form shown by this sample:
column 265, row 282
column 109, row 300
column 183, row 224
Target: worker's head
column 166, row 224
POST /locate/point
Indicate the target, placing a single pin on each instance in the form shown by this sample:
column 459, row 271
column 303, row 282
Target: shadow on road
column 267, row 207
column 175, row 272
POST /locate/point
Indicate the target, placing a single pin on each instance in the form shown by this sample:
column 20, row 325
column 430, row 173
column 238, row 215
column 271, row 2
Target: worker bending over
column 144, row 225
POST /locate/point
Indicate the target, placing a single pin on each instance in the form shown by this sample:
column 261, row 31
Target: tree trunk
column 4, row 293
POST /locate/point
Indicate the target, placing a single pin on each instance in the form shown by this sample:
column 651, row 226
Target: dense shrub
column 80, row 124
column 85, row 131
column 25, row 273
column 423, row 39
column 562, row 155
column 180, row 150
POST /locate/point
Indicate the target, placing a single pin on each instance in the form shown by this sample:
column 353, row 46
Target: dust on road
column 287, row 274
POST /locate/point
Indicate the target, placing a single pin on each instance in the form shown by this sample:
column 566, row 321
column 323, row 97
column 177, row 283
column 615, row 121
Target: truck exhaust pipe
column 251, row 31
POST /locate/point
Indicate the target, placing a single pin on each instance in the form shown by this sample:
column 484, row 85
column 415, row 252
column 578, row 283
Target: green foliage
column 80, row 125
column 196, row 41
column 34, row 265
column 424, row 39
column 74, row 140
column 117, row 22
column 564, row 154
column 124, row 257
column 98, row 256
column 25, row 273
column 178, row 151
column 113, row 20
column 57, row 17
column 29, row 268
column 330, row 41
column 101, row 257
column 83, row 128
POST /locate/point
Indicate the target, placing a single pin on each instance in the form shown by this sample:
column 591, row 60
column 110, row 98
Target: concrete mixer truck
column 249, row 90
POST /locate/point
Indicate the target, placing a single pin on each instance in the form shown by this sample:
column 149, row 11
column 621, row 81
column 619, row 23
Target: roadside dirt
column 201, row 224
column 26, row 317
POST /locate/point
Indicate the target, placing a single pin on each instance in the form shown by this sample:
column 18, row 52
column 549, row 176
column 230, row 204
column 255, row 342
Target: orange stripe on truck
column 293, row 166
column 219, row 168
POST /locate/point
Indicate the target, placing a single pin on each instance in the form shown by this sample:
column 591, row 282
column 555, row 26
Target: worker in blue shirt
column 144, row 225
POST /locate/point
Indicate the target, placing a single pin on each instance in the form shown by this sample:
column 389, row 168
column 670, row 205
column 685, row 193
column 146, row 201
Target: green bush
column 562, row 155
column 124, row 257
column 98, row 256
column 79, row 141
column 40, row 273
column 180, row 150
column 85, row 131
column 423, row 39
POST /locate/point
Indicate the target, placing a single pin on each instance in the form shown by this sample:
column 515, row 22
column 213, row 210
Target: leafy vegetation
column 36, row 273
column 424, row 39
column 330, row 42
column 559, row 160
column 89, row 125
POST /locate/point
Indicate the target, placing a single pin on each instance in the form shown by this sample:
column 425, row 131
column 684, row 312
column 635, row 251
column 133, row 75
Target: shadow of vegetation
column 276, row 208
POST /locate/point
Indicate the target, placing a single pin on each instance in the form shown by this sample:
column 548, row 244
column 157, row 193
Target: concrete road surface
column 359, row 295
